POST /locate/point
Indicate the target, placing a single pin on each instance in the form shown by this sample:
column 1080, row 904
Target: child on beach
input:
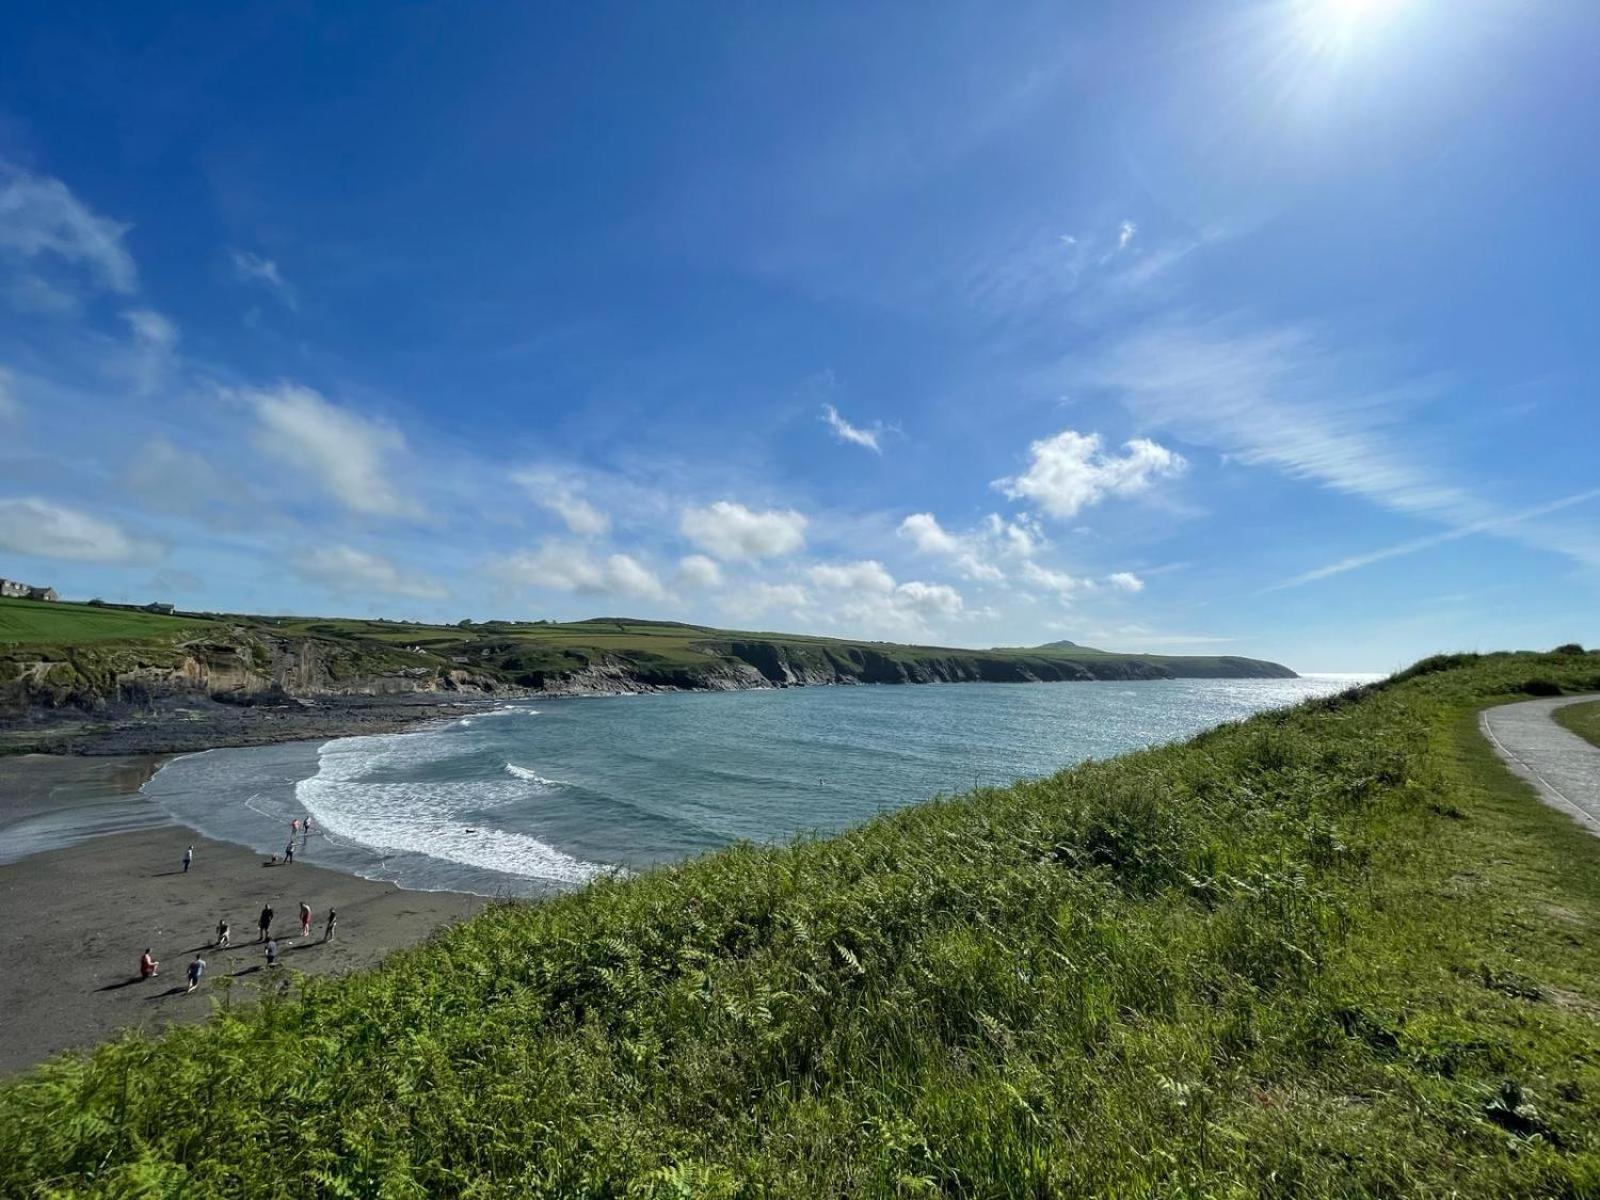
column 333, row 924
column 272, row 953
column 305, row 919
column 147, row 965
column 188, row 857
column 223, row 934
column 196, row 969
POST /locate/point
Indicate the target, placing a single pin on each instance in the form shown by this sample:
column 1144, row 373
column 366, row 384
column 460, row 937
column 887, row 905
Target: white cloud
column 39, row 527
column 928, row 535
column 347, row 570
column 699, row 572
column 865, row 576
column 1127, row 581
column 1065, row 586
column 1125, row 234
column 1070, row 471
column 978, row 554
column 567, row 567
column 731, row 531
column 854, row 434
column 39, row 216
column 348, row 455
column 929, row 599
column 253, row 268
column 551, row 491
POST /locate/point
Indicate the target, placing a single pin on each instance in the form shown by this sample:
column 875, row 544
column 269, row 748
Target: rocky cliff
column 245, row 666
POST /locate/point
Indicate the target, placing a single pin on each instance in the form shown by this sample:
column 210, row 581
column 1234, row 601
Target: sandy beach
column 74, row 920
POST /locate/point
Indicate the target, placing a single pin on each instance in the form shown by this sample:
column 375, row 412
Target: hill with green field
column 56, row 655
column 1336, row 950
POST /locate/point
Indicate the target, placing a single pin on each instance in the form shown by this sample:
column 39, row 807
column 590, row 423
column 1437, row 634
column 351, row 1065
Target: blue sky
column 1257, row 328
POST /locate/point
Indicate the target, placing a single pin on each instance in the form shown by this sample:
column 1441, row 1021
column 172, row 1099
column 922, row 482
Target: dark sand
column 73, row 921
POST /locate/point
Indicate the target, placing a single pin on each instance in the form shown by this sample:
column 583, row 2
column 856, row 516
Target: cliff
column 98, row 660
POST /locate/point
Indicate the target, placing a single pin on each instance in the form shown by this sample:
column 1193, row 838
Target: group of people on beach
column 149, row 967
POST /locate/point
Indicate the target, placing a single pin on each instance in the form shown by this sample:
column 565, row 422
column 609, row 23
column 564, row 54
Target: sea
column 541, row 796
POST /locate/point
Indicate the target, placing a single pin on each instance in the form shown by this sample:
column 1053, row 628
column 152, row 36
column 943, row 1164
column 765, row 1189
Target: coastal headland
column 97, row 679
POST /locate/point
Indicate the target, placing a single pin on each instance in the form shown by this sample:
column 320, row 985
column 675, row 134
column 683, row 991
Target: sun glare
column 1336, row 26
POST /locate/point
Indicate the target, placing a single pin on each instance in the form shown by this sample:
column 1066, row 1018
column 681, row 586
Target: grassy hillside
column 605, row 651
column 39, row 623
column 1332, row 951
column 1582, row 719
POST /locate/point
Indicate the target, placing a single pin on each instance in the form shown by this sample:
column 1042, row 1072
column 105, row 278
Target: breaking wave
column 356, row 795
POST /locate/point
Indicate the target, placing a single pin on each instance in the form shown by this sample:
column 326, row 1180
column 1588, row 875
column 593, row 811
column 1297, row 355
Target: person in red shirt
column 305, row 919
column 147, row 965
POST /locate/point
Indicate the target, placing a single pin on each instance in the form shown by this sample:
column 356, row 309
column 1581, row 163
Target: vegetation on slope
column 82, row 656
column 1335, row 950
column 1582, row 719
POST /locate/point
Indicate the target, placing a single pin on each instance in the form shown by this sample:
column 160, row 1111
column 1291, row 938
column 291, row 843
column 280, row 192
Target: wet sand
column 74, row 920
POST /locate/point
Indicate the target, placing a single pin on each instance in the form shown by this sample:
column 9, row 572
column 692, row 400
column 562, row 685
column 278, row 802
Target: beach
column 74, row 920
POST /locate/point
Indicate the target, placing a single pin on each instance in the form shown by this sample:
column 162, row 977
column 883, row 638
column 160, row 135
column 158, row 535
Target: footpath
column 1562, row 767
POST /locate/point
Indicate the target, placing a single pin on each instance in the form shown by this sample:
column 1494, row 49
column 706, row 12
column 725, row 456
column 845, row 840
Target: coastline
column 74, row 919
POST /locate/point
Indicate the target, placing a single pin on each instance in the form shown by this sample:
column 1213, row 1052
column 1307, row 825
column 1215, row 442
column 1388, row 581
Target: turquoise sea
column 543, row 795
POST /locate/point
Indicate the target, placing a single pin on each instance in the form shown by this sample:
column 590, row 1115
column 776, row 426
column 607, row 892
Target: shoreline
column 74, row 918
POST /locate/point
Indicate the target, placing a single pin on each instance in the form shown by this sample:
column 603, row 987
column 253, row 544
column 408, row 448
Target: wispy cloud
column 253, row 268
column 350, row 456
column 29, row 525
column 854, row 434
column 1399, row 550
column 1282, row 398
column 558, row 492
column 348, row 571
column 40, row 219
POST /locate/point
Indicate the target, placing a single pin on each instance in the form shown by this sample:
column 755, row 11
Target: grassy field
column 1333, row 951
column 1582, row 719
column 40, row 622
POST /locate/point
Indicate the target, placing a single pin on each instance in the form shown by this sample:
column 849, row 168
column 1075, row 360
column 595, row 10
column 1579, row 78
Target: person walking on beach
column 294, row 827
column 147, row 965
column 196, row 969
column 223, row 934
column 272, row 952
column 305, row 919
column 333, row 925
column 288, row 852
column 188, row 857
column 266, row 921
column 308, row 825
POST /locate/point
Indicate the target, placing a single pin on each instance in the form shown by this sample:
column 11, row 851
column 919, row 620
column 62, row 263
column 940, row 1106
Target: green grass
column 35, row 621
column 1332, row 951
column 1582, row 719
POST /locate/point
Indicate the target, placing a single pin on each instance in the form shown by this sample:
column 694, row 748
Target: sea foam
column 352, row 796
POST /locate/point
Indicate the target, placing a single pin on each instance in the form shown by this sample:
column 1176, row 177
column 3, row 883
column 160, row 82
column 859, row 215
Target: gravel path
column 1562, row 767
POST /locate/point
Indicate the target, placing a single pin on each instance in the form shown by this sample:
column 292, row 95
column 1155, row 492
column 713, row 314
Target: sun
column 1335, row 24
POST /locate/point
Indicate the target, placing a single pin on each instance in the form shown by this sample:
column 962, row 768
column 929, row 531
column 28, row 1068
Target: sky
column 1265, row 328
